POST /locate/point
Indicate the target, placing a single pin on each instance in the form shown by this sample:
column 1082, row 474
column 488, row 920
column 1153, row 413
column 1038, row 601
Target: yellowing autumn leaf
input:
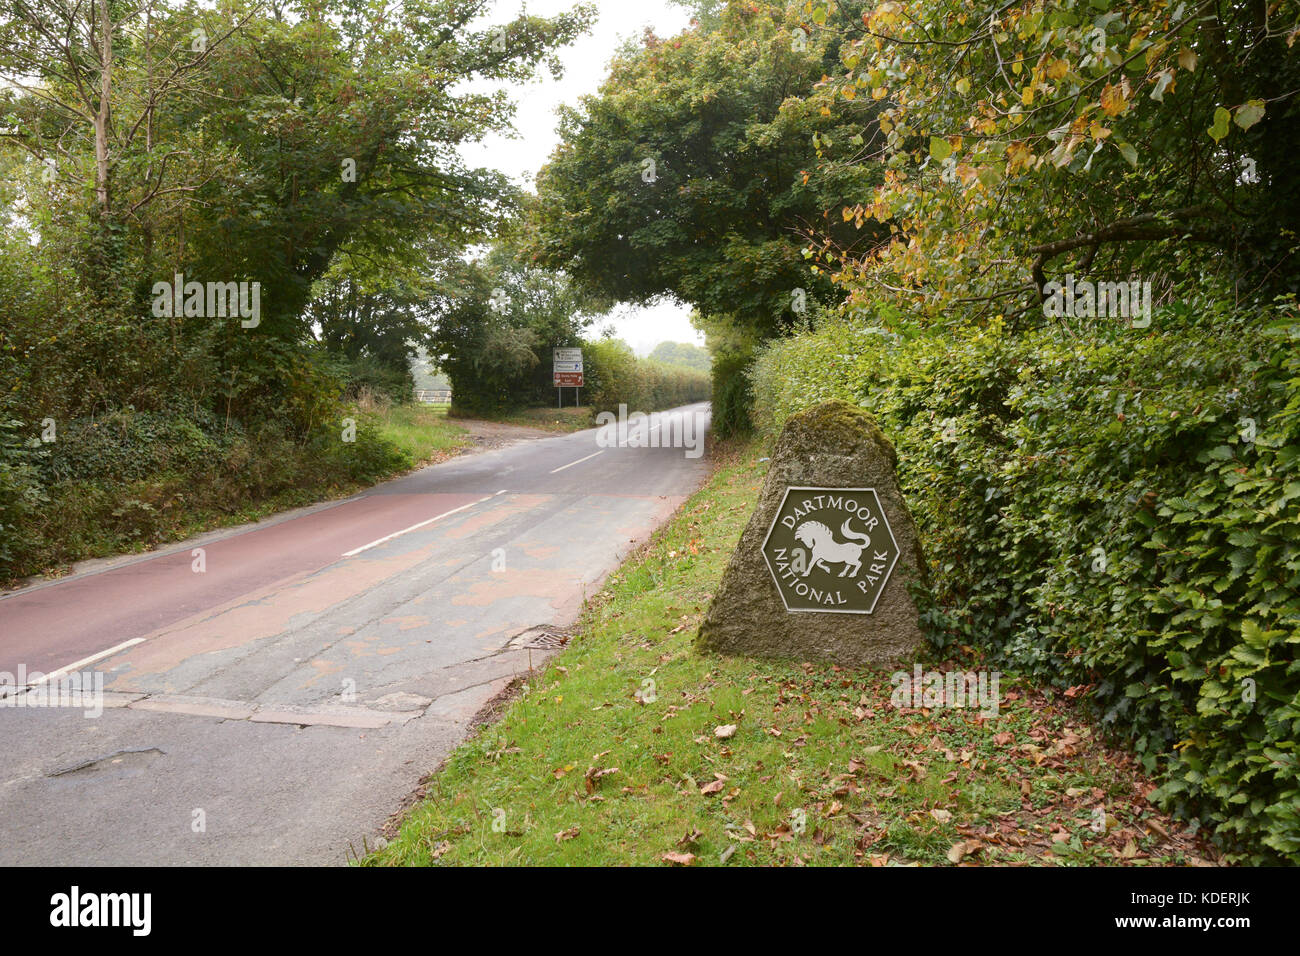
column 1220, row 127
column 1019, row 155
column 1153, row 52
column 1114, row 98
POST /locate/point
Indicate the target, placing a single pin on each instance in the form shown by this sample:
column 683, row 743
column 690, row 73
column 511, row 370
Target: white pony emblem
column 826, row 549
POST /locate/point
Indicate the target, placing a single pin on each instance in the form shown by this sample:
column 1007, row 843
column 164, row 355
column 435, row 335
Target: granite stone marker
column 824, row 567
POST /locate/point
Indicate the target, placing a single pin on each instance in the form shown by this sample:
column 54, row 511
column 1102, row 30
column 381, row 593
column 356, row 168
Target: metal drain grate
column 542, row 638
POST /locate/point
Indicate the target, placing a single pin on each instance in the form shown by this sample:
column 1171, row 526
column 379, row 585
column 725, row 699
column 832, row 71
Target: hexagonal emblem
column 830, row 549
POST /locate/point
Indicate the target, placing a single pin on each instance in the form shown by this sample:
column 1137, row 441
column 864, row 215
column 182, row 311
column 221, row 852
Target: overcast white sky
column 585, row 66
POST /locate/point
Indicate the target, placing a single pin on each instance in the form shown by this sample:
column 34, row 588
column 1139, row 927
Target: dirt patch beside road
column 492, row 435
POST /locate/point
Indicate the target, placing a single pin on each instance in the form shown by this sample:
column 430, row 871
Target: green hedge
column 615, row 375
column 1096, row 513
column 130, row 478
column 733, row 396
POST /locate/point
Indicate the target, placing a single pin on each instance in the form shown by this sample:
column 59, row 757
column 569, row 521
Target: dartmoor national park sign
column 824, row 567
column 813, row 568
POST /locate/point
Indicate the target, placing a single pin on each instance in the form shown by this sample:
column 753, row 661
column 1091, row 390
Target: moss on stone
column 836, row 427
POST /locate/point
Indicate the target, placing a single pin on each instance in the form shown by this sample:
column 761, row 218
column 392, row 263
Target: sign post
column 566, row 372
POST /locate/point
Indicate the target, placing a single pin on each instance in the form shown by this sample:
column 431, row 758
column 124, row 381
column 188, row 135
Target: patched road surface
column 279, row 704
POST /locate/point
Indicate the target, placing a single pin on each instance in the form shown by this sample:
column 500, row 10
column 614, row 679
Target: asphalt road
column 273, row 698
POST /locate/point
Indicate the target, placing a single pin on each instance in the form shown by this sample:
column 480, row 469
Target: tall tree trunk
column 102, row 115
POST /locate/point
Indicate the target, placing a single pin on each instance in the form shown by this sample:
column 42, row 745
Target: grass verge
column 423, row 433
column 633, row 748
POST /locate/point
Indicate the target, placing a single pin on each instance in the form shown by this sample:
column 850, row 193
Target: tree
column 345, row 134
column 103, row 69
column 103, row 72
column 689, row 174
column 1025, row 142
column 241, row 144
column 377, row 330
column 681, row 354
column 496, row 321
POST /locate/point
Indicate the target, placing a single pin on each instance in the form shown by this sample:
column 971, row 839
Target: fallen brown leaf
column 963, row 849
column 715, row 785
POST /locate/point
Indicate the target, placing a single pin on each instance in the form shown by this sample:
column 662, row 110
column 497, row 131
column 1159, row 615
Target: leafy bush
column 731, row 415
column 127, row 445
column 368, row 374
column 1117, row 510
column 132, row 478
column 20, row 490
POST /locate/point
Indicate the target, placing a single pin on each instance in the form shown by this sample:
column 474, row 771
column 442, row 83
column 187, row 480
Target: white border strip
column 578, row 462
column 77, row 665
column 415, row 527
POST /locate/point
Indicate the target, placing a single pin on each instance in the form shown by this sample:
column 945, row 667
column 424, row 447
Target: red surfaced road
column 55, row 626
